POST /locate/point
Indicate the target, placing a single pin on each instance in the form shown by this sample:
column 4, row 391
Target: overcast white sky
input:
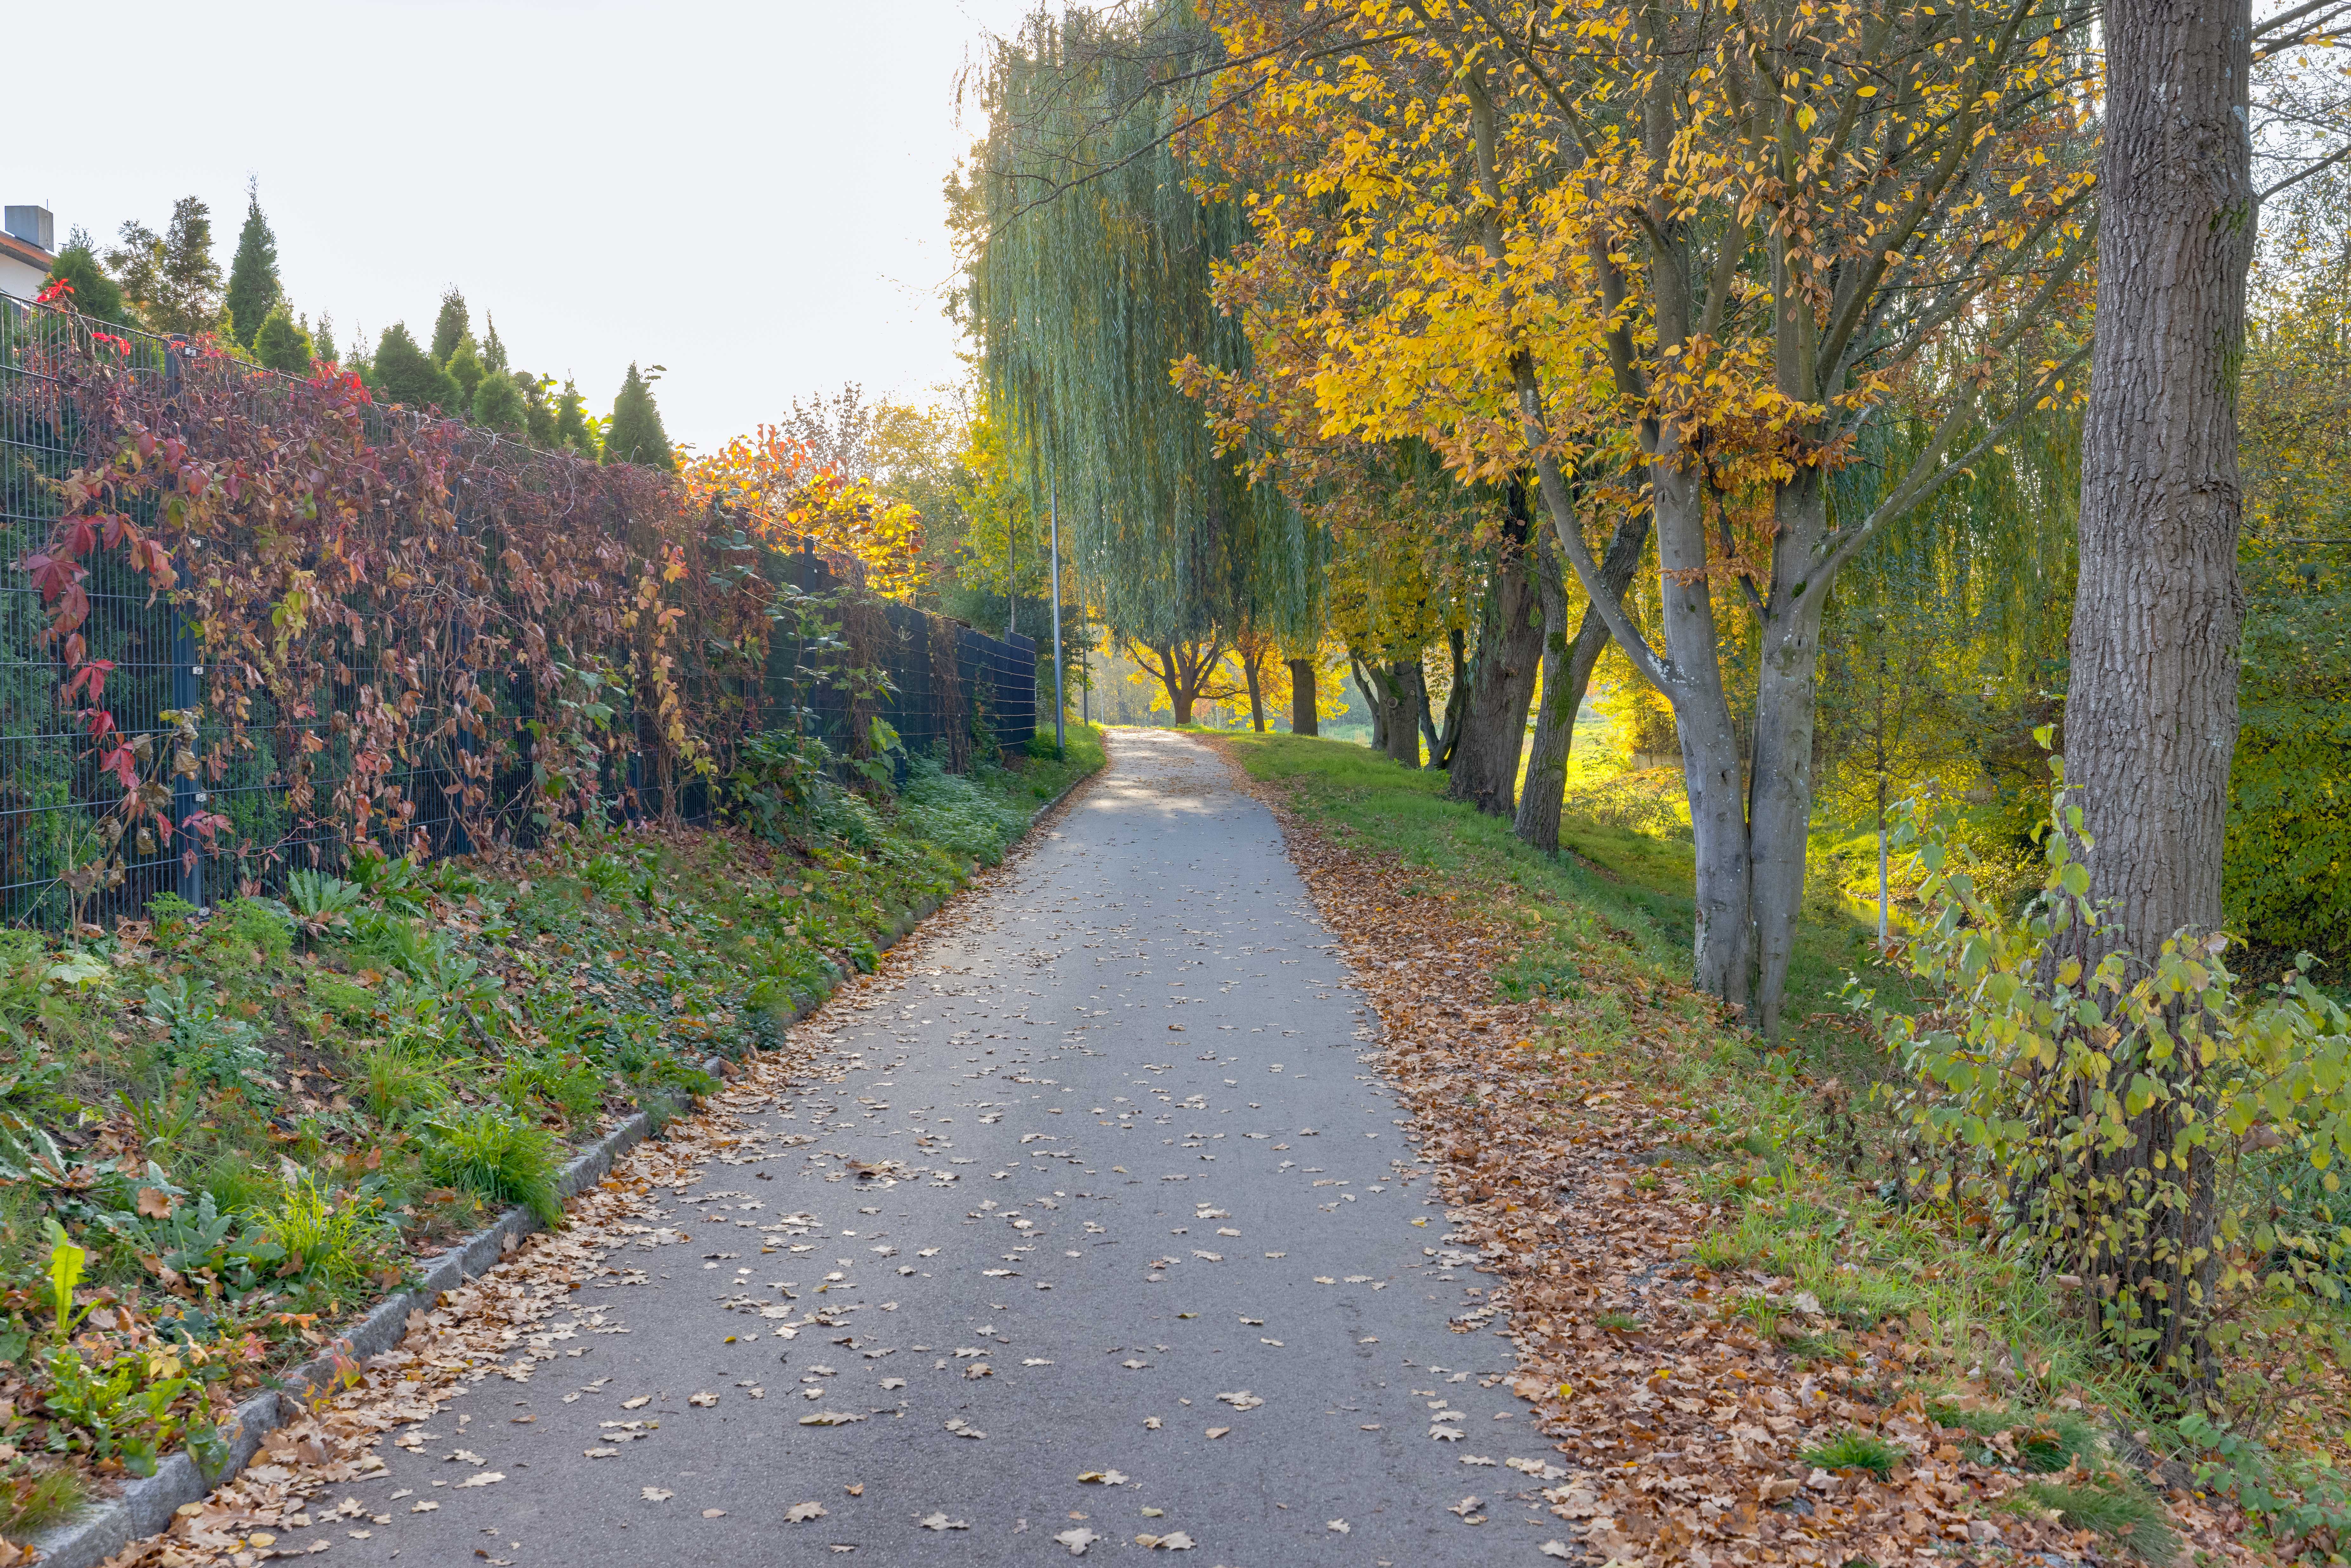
column 747, row 194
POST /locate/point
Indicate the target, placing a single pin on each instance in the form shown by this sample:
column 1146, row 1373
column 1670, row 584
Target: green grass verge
column 218, row 1135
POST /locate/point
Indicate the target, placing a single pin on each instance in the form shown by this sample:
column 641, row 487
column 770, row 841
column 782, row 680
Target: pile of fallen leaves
column 1684, row 1430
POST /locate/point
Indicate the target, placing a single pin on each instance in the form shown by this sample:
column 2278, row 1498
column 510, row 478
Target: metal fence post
column 187, row 693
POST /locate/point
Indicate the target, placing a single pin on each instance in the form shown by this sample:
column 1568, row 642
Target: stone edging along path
column 147, row 1504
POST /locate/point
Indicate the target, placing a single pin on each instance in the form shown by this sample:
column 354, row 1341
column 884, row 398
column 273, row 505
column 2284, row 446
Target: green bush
column 497, row 1159
column 958, row 814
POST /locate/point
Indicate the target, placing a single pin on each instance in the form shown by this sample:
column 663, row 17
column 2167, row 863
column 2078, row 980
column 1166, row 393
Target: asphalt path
column 1099, row 1180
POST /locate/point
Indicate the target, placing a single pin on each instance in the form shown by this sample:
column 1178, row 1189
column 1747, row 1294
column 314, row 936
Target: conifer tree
column 402, row 374
column 322, row 338
column 449, row 327
column 95, row 295
column 498, row 403
column 572, row 432
column 494, row 353
column 252, row 283
column 635, row 435
column 186, row 277
column 281, row 344
column 539, row 409
column 464, row 367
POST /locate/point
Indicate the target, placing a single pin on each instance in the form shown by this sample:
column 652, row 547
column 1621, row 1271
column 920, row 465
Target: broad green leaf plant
column 2112, row 1115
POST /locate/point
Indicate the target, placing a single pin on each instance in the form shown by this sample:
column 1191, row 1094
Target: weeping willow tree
column 1942, row 657
column 1090, row 258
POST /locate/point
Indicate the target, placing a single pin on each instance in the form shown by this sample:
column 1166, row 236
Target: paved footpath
column 1147, row 1215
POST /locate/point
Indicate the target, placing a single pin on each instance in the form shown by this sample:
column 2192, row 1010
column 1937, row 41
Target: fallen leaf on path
column 941, row 1522
column 1341, row 1526
column 1077, row 1540
column 486, row 1479
column 657, row 1494
column 1104, row 1477
column 706, row 1399
column 801, row 1513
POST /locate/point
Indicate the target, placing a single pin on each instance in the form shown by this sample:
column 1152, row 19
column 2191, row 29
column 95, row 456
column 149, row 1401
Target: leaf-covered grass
column 2116, row 1509
column 252, row 1123
column 1803, row 1166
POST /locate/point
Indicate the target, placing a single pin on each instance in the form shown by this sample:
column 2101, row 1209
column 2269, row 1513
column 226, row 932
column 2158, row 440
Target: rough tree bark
column 1501, row 682
column 2151, row 705
column 1302, row 697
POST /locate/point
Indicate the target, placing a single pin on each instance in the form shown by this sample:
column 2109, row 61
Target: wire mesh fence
column 294, row 781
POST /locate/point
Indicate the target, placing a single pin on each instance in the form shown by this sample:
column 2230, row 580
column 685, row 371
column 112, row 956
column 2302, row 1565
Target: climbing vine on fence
column 384, row 607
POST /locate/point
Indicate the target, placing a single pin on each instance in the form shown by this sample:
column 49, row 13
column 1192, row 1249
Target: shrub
column 958, row 814
column 2102, row 1104
column 499, row 1160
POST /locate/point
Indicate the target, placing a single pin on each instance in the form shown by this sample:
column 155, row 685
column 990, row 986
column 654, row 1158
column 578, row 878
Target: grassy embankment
column 1804, row 1161
column 221, row 1136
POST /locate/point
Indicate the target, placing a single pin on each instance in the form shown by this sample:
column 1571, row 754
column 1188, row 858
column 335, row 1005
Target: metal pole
column 1054, row 511
column 187, row 693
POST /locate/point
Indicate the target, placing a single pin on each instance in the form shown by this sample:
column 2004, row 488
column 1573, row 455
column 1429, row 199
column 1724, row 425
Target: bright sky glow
column 747, row 194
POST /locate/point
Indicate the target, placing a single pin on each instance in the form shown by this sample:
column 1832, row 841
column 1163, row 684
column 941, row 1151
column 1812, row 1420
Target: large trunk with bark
column 1302, row 697
column 1404, row 744
column 1723, row 936
column 1780, row 804
column 1501, row 679
column 2151, row 704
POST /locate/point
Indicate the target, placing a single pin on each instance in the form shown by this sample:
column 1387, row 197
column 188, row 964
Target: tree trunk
column 1410, row 720
column 1365, row 683
column 1182, row 702
column 1537, row 821
column 1723, row 936
column 2151, row 705
column 1541, row 802
column 1780, row 805
column 1443, row 743
column 1257, row 700
column 1502, row 682
column 1302, row 697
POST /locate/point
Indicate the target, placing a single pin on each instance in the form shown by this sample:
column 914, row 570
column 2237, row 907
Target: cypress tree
column 498, row 404
column 402, row 374
column 95, row 295
column 635, row 435
column 449, row 327
column 494, row 353
column 280, row 344
column 253, row 285
column 464, row 368
column 572, row 432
